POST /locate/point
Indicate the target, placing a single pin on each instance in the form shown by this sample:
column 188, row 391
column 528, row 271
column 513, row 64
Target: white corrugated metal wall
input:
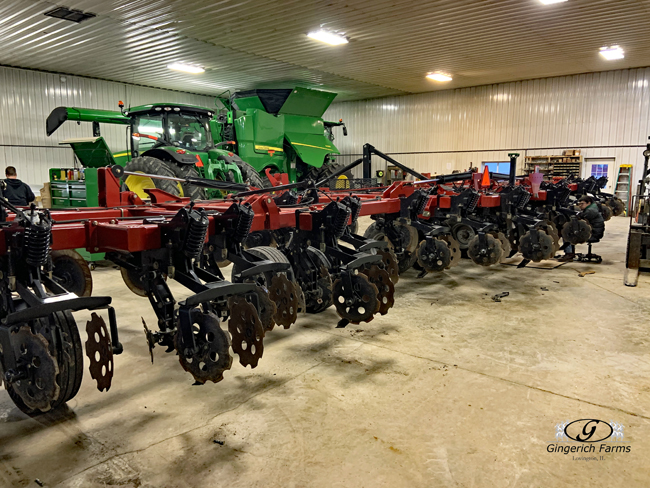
column 27, row 98
column 604, row 114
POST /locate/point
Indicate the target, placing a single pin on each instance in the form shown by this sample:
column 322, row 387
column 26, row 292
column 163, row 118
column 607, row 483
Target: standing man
column 17, row 192
column 590, row 213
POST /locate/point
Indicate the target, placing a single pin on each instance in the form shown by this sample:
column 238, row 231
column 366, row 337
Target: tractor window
column 189, row 132
column 149, row 128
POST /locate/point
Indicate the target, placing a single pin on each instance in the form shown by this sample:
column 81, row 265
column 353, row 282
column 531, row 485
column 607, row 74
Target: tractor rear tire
column 250, row 176
column 152, row 166
column 188, row 171
column 328, row 169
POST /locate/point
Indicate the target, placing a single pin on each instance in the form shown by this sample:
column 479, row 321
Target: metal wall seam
column 596, row 109
column 27, row 98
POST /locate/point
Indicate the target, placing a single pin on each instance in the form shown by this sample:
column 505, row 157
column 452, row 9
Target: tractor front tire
column 152, row 166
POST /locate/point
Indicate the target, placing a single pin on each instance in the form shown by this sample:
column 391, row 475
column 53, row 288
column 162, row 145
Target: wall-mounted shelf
column 565, row 165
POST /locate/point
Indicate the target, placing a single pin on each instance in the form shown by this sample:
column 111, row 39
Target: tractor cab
column 179, row 126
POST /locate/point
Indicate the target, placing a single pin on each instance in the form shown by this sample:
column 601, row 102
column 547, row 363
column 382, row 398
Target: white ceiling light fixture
column 438, row 76
column 550, row 2
column 328, row 37
column 611, row 53
column 186, row 68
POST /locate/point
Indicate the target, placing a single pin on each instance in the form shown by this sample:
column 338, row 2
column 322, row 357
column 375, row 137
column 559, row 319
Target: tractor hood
column 312, row 148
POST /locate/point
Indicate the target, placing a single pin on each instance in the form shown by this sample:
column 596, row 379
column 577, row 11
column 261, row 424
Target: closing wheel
column 576, row 231
column 357, row 301
column 617, row 205
column 403, row 243
column 267, row 309
column 246, row 331
column 551, row 230
column 71, row 271
column 485, row 252
column 38, row 388
column 385, row 287
column 407, row 241
column 506, row 249
column 606, row 211
column 283, row 294
column 212, row 356
column 433, row 255
column 454, row 250
column 536, row 245
column 463, row 234
column 390, row 264
column 286, row 295
column 320, row 298
column 62, row 331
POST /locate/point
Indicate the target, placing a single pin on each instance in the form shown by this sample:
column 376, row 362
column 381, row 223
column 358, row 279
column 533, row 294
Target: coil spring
column 473, row 202
column 422, row 203
column 563, row 195
column 355, row 209
column 244, row 223
column 523, row 200
column 197, row 228
column 341, row 220
column 37, row 243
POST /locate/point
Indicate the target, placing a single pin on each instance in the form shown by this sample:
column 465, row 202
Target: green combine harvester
column 279, row 130
column 282, row 130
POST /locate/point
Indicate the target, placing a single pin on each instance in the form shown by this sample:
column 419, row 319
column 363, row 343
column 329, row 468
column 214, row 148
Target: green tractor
column 166, row 140
column 277, row 130
column 281, row 130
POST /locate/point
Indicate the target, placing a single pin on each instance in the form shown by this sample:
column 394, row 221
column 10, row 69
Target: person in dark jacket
column 590, row 213
column 17, row 192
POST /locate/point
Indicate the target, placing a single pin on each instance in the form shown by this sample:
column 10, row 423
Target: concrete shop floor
column 450, row 389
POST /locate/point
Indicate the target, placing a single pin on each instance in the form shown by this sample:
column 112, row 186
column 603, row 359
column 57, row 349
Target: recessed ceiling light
column 186, row 68
column 328, row 37
column 439, row 76
column 549, row 2
column 611, row 53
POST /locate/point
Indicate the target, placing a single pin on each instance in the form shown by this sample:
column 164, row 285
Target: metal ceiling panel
column 393, row 43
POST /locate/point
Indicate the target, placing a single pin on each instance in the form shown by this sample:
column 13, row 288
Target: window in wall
column 502, row 167
column 599, row 170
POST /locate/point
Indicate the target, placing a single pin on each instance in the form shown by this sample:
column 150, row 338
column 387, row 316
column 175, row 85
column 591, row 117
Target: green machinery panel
column 67, row 193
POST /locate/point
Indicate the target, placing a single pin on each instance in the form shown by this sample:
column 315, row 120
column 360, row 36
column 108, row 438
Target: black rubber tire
column 263, row 252
column 188, row 171
column 154, row 166
column 77, row 279
column 372, row 232
column 317, row 174
column 70, row 361
column 251, row 177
